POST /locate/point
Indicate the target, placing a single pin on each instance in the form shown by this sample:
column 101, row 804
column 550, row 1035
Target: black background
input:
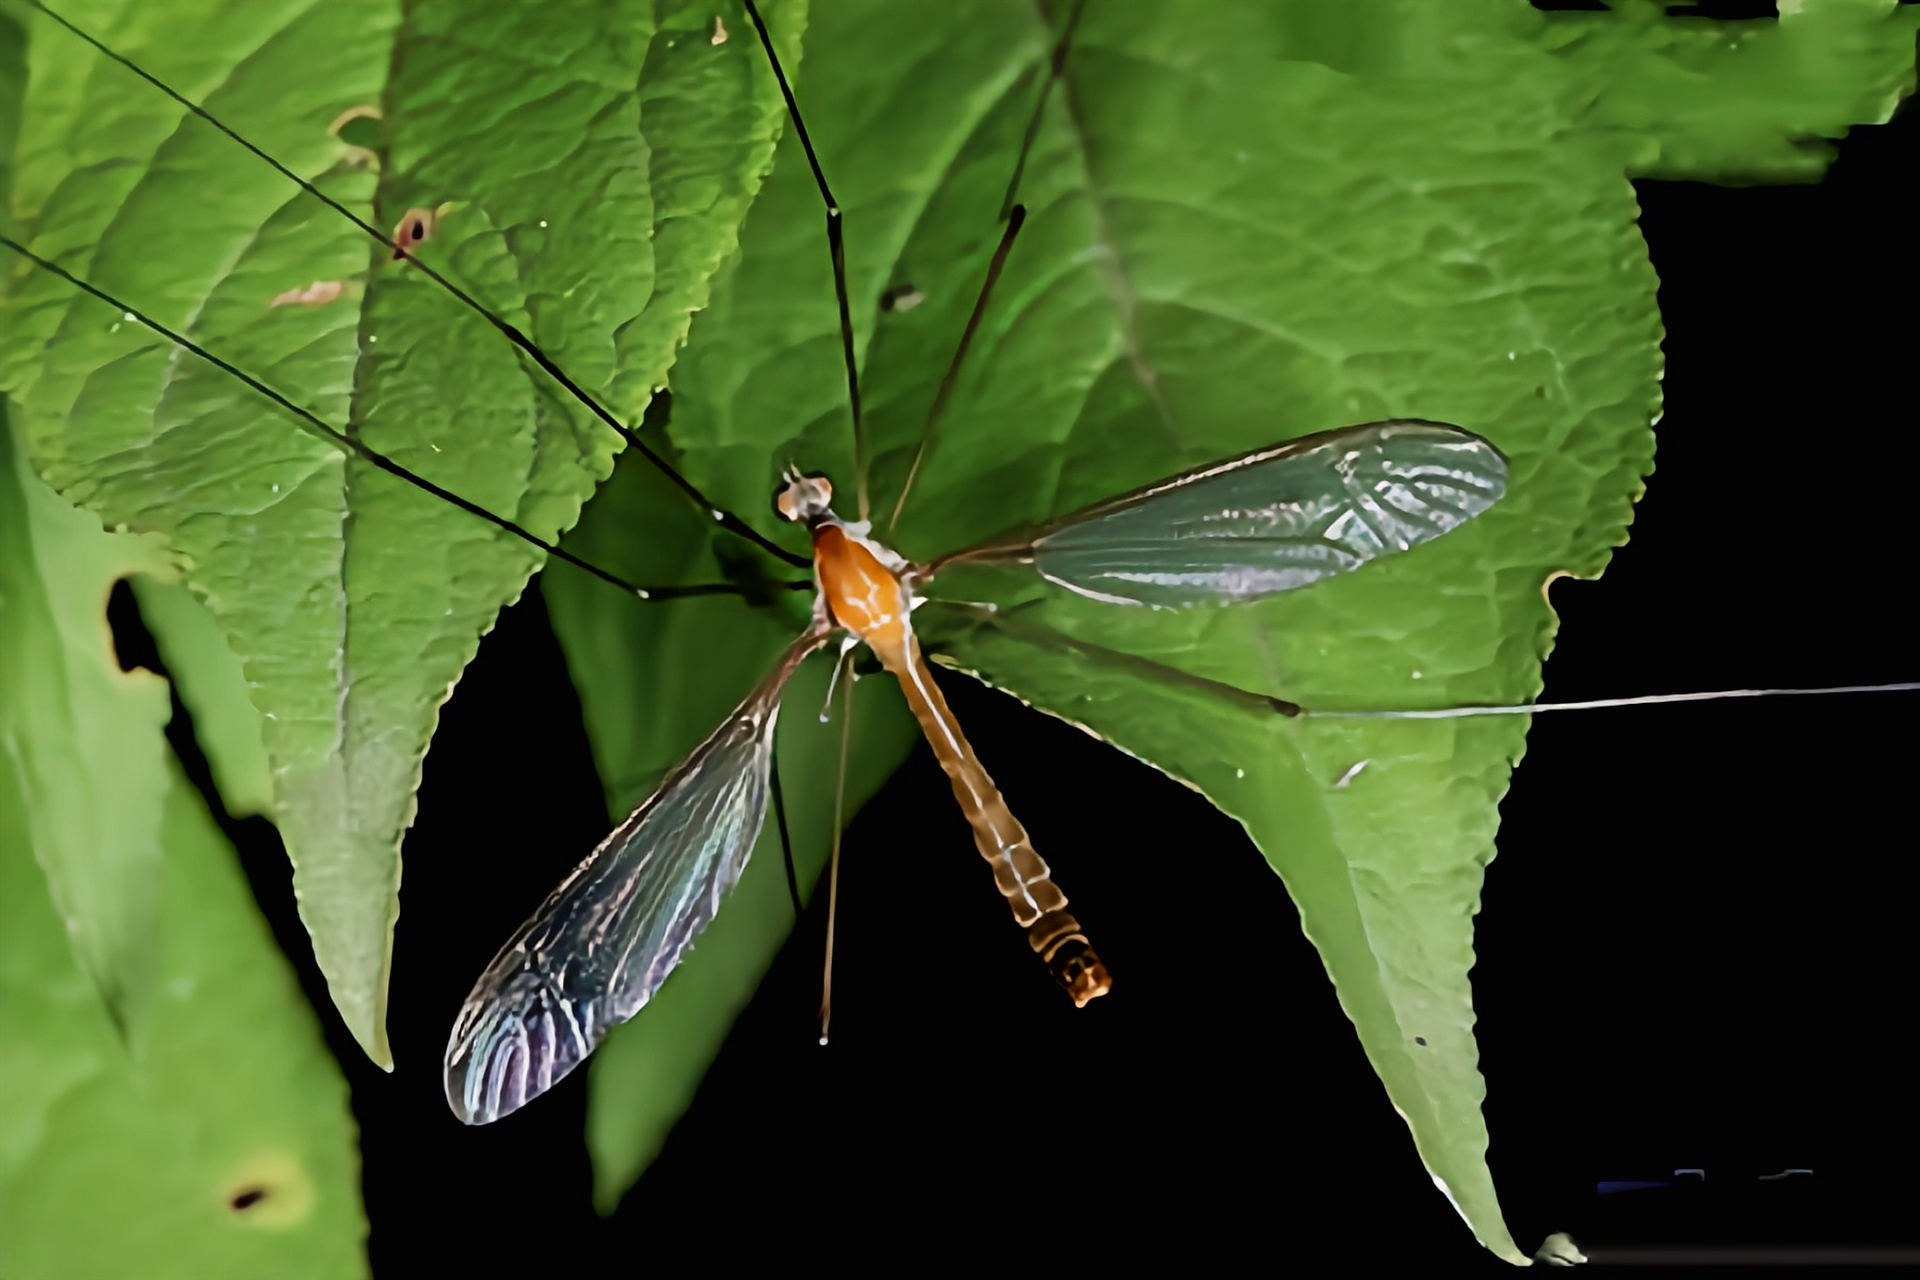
column 1692, row 952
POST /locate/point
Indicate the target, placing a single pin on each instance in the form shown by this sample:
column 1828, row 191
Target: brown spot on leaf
column 271, row 1189
column 364, row 112
column 414, row 230
column 247, row 1197
column 317, row 294
column 358, row 156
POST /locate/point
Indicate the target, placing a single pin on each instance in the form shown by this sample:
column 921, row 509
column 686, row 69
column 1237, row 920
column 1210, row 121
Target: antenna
column 725, row 519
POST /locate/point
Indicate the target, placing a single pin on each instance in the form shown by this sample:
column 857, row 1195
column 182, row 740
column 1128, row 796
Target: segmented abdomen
column 1022, row 877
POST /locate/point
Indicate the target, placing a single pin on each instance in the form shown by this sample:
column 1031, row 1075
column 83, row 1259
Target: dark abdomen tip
column 1057, row 938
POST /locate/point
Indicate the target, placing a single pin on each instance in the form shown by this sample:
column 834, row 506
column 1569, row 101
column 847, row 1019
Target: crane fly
column 1240, row 530
column 1237, row 530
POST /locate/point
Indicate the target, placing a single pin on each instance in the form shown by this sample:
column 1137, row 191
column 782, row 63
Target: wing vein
column 600, row 946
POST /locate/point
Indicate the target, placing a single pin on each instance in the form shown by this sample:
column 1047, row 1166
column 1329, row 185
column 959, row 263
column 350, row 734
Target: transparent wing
column 602, row 944
column 1270, row 521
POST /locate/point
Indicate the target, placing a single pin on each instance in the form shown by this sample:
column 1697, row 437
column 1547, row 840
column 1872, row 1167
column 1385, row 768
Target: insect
column 1236, row 531
column 1341, row 773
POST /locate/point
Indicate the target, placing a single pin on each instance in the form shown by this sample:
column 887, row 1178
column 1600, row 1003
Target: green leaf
column 214, row 688
column 589, row 168
column 1245, row 225
column 1703, row 99
column 13, row 86
column 80, row 739
column 1245, row 228
column 362, row 131
column 126, row 1159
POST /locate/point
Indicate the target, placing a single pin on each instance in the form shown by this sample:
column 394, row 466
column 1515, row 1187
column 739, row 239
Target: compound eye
column 802, row 497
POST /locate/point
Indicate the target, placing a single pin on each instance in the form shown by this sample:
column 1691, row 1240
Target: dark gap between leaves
column 263, row 857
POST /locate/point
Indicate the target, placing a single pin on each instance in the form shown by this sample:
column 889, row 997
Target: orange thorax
column 863, row 594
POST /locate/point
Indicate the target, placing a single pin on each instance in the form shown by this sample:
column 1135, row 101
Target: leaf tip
column 367, row 1024
column 376, row 1046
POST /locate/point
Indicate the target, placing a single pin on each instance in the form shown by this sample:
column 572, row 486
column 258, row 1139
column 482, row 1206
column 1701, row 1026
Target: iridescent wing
column 604, row 941
column 1270, row 521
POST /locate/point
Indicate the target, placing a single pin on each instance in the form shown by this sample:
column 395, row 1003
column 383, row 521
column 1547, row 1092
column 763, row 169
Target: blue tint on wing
column 1273, row 520
column 601, row 945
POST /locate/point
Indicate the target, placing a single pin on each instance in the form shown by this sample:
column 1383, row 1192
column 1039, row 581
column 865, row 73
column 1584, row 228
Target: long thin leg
column 349, row 444
column 786, row 841
column 1046, row 637
column 833, row 864
column 1016, row 220
column 1056, row 67
column 1014, row 215
column 1602, row 704
column 837, row 250
column 725, row 519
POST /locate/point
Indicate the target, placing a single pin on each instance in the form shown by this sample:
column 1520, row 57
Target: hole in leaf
column 133, row 645
column 413, row 230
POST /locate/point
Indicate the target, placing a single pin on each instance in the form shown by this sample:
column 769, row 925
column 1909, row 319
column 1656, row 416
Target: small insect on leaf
column 317, row 294
column 901, row 297
column 414, row 230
